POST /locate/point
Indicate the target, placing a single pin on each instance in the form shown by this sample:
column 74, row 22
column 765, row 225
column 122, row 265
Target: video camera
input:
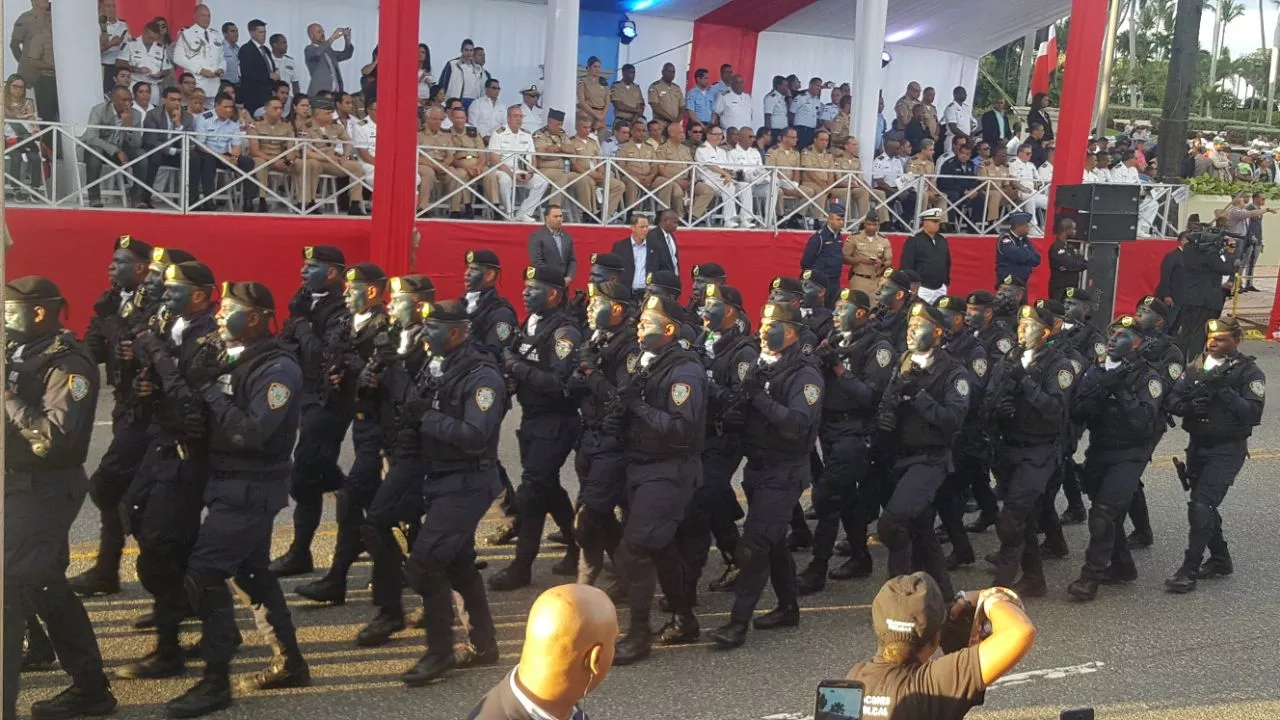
column 1209, row 239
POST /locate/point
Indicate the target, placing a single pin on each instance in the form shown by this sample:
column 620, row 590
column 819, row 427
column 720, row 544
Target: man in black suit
column 258, row 74
column 551, row 246
column 639, row 256
column 1173, row 282
column 996, row 126
column 167, row 116
column 1207, row 268
column 663, row 240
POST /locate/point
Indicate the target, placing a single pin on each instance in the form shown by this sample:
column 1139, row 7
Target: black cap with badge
column 857, row 297
column 190, row 273
column 545, row 275
column 251, row 294
column 725, row 294
column 452, row 312
column 486, row 258
column 137, row 248
column 32, row 289
column 708, row 271
column 325, row 254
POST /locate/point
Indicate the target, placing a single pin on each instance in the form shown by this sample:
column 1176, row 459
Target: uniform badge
column 503, row 330
column 564, row 348
column 684, row 343
column 1099, row 349
column 277, row 396
column 1075, row 365
column 980, row 367
column 78, row 386
column 743, row 367
column 812, row 394
column 1259, row 388
column 1003, row 345
column 807, row 349
column 1155, row 388
column 1065, row 378
column 308, row 252
column 884, row 357
column 484, row 398
column 632, row 361
column 680, row 393
column 1175, row 371
column 962, row 387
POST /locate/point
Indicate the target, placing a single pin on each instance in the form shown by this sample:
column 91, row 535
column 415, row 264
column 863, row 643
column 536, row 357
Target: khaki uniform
column 789, row 184
column 277, row 154
column 839, row 135
column 667, row 102
column 638, row 174
column 584, row 186
column 468, row 161
column 902, row 110
column 674, row 156
column 927, row 170
column 868, row 256
column 324, row 150
column 593, row 100
column 817, row 179
column 861, row 204
column 995, row 199
column 626, row 94
column 553, row 168
column 434, row 166
column 931, row 120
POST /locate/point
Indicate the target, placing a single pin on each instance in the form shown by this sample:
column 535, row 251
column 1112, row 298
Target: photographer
column 905, row 681
column 1209, row 256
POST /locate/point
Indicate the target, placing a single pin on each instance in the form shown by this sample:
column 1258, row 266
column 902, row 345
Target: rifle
column 334, row 359
column 1209, row 383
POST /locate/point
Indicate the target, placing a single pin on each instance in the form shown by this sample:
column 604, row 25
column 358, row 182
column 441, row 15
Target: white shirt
column 1125, row 175
column 486, row 115
column 142, row 110
column 1024, row 171
column 1015, row 142
column 154, row 59
column 1103, row 175
column 424, row 85
column 609, row 148
column 199, row 49
column 734, row 110
column 287, row 69
column 805, row 108
column 1210, row 362
column 959, row 113
column 671, row 245
column 365, row 138
column 640, row 254
column 119, row 29
column 1044, row 173
column 775, row 108
column 512, row 145
column 1091, row 176
column 534, row 117
column 884, row 168
column 709, row 154
column 748, row 160
column 1026, row 357
column 830, row 111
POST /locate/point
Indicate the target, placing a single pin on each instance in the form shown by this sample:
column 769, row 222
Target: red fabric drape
column 140, row 12
column 1079, row 91
column 715, row 45
column 396, row 171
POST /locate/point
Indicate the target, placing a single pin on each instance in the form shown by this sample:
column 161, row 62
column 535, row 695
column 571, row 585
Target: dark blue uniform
column 976, row 464
column 970, row 449
column 1165, row 358
column 1016, row 256
column 824, row 252
column 494, row 326
column 892, row 326
column 1089, row 345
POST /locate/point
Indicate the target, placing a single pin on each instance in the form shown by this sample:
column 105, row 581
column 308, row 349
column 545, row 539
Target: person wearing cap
column 907, row 679
column 534, row 115
column 493, row 318
column 975, row 463
column 856, row 366
column 625, row 96
column 1086, row 344
column 813, row 306
column 666, row 283
column 1029, row 395
column 1220, row 400
column 165, row 499
column 784, row 408
column 511, row 151
column 605, row 267
column 252, row 426
column 538, row 366
column 1119, row 400
column 552, row 145
column 868, row 253
column 589, row 173
column 50, row 402
column 330, row 149
column 1011, row 293
column 316, row 332
column 701, row 276
column 1015, row 255
column 928, row 254
column 824, row 251
column 107, row 340
column 661, row 427
column 890, row 311
column 1050, row 524
column 1065, row 261
column 729, row 353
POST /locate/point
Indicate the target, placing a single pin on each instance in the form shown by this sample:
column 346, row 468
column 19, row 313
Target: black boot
column 813, row 579
column 1138, row 540
column 211, row 694
column 328, row 589
column 469, row 655
column 956, row 559
column 679, row 630
column 634, row 646
column 618, row 592
column 1182, row 582
column 509, row 578
column 1030, row 586
column 568, row 565
column 1084, row 589
column 1073, row 516
column 380, row 629
column 75, row 702
column 981, row 524
column 779, row 617
column 727, row 579
column 1118, row 574
column 855, row 567
column 38, row 660
column 192, row 651
column 557, row 537
column 429, row 667
column 97, row 580
column 843, row 548
column 730, row 635
column 294, row 562
column 286, row 670
column 1056, row 548
column 163, row 662
column 1215, row 567
column 800, row 539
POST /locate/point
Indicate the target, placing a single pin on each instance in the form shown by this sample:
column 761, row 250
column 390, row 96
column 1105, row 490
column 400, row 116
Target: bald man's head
column 568, row 645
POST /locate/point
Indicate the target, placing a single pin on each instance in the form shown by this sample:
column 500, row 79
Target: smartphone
column 1081, row 714
column 839, row 700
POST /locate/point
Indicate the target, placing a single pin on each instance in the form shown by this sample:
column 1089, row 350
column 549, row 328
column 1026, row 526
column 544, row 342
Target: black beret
column 324, row 254
column 613, row 290
column 665, row 279
column 545, row 275
column 555, row 115
column 608, row 261
column 365, row 273
column 254, row 294
column 814, row 276
column 189, row 273
column 897, row 277
column 1224, row 325
column 709, row 270
column 1041, row 314
column 1081, row 294
column 32, row 289
column 725, row 294
column 912, row 276
column 1124, row 321
column 981, row 298
column 1156, row 305
column 487, row 258
column 137, row 248
column 665, row 306
column 857, row 297
column 1013, row 282
column 445, row 311
column 951, row 303
column 1054, row 307
column 781, row 312
column 787, row 285
column 170, row 256
column 413, row 285
column 934, row 315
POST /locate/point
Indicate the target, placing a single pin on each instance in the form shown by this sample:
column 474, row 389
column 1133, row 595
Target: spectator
column 199, row 52
column 345, row 108
column 998, row 189
column 1252, row 245
column 146, row 59
column 776, row 116
column 928, row 254
column 31, row 43
column 425, row 80
column 469, row 160
column 958, row 182
column 114, row 139
column 187, row 84
column 1173, row 281
column 19, row 112
column 1036, row 140
column 1103, row 170
column 551, row 246
column 722, row 85
column 331, row 150
column 903, row 110
column 885, row 170
column 673, row 174
column 271, row 148
column 142, row 98
column 714, row 170
column 534, row 116
column 666, row 99
column 958, row 116
column 197, row 103
column 1126, row 172
column 625, row 96
column 831, row 110
column 487, row 113
column 164, row 121
column 281, row 93
column 785, row 160
column 1039, row 114
column 258, row 74
column 904, row 680
column 1022, row 170
column 635, row 161
column 322, row 60
column 733, row 108
column 982, row 155
column 621, row 135
column 1140, row 153
column 593, row 93
column 699, row 103
column 916, row 131
column 880, row 124
column 300, row 113
column 123, row 79
column 996, row 129
column 568, row 652
column 818, row 176
column 804, row 110
column 478, row 58
column 231, row 52
column 931, row 114
column 764, row 140
column 461, row 77
column 365, row 142
column 510, row 150
column 697, row 135
column 850, row 163
column 752, row 179
column 839, row 126
column 1091, row 168
column 824, row 251
column 113, row 36
column 286, row 66
column 221, row 145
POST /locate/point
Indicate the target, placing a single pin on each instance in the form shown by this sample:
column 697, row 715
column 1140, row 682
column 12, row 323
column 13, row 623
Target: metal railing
column 516, row 186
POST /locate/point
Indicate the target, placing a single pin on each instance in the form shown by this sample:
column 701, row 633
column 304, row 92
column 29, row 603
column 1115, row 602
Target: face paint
column 177, row 299
column 1121, row 343
column 1077, row 311
column 1030, row 332
column 785, row 298
column 600, row 313
column 811, row 292
column 233, row 321
column 1147, row 318
column 474, row 278
column 535, row 297
column 846, row 316
column 886, row 294
column 921, row 335
column 773, row 335
column 435, row 336
column 356, row 296
column 650, row 332
column 19, row 321
column 975, row 316
column 122, row 270
column 713, row 314
column 402, row 310
column 153, row 283
column 315, row 275
column 1007, row 297
column 599, row 275
column 699, row 292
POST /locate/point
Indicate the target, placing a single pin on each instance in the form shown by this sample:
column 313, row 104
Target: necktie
column 675, row 261
column 271, row 64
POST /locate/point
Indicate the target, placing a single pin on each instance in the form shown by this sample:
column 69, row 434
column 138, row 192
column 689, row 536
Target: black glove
column 628, row 393
column 577, row 383
column 611, row 424
column 827, row 354
column 148, row 345
column 910, row 381
column 1114, row 380
column 1200, row 406
column 510, row 357
column 888, row 421
column 1014, row 364
column 1006, row 408
column 195, row 424
column 734, row 417
column 300, row 304
column 106, row 305
column 753, row 383
column 408, row 440
column 1227, row 393
column 200, row 375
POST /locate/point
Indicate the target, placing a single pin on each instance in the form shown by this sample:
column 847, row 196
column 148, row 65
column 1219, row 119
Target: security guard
column 1015, row 255
column 813, row 306
column 397, row 505
column 1055, row 542
column 792, row 291
column 538, row 366
column 1011, row 293
column 890, row 313
column 118, row 313
column 462, row 396
column 316, row 333
column 369, row 342
column 665, row 283
column 663, row 427
column 924, row 406
column 1220, row 401
column 1119, row 399
column 785, row 390
column 51, row 396
column 164, row 502
column 976, row 464
column 868, row 254
column 729, row 353
column 1159, row 352
column 252, row 403
column 1084, row 338
column 1028, row 396
column 605, row 364
column 856, row 366
column 969, row 451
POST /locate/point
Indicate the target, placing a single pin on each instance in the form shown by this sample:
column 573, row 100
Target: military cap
column 951, row 303
column 981, row 298
column 725, row 294
column 613, row 290
column 835, row 207
column 531, row 90
column 136, row 248
column 1124, row 321
column 912, row 276
column 1081, row 294
column 1013, row 282
column 665, row 307
column 1224, row 325
column 487, row 258
column 857, row 297
column 898, row 277
column 445, row 311
column 1054, row 307
column 787, row 285
column 712, row 271
column 664, row 279
column 324, row 254
column 189, row 273
column 931, row 313
column 1155, row 305
column 781, row 312
column 412, row 285
column 32, row 289
column 608, row 261
column 555, row 115
column 1041, row 315
column 871, row 219
column 170, row 256
column 365, row 273
column 545, row 275
column 1019, row 218
column 814, row 276
column 321, row 103
column 932, row 214
column 253, row 294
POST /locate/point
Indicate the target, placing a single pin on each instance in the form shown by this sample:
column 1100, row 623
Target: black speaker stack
column 1106, row 216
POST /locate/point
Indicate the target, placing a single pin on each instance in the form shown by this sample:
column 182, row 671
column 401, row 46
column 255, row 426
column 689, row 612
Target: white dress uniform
column 1025, row 174
column 887, row 169
column 366, row 138
column 712, row 155
column 754, row 182
column 287, row 68
column 805, row 108
column 119, row 29
column 734, row 110
column 775, row 108
column 199, row 49
column 487, row 115
column 962, row 115
column 534, row 117
column 153, row 58
column 516, row 150
column 1121, row 174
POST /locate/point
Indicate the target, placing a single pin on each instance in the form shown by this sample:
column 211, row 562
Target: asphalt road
column 1136, row 653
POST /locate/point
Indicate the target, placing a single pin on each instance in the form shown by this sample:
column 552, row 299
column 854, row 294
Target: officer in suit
column 662, row 426
column 785, row 392
column 253, row 409
column 198, row 51
column 868, row 253
column 639, row 256
column 1173, row 281
column 1015, row 255
column 113, row 134
column 537, row 366
column 51, row 395
column 552, row 246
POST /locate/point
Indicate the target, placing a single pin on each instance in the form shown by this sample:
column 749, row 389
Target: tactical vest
column 763, row 441
column 1162, row 356
column 641, row 444
column 364, row 343
column 915, row 434
column 618, row 361
column 276, row 450
column 855, row 355
column 1221, row 425
column 892, row 326
column 991, row 337
column 396, row 387
column 328, row 310
column 1110, row 429
column 485, row 318
column 199, row 336
column 725, row 371
column 540, row 351
column 29, row 379
column 1029, row 425
column 447, row 394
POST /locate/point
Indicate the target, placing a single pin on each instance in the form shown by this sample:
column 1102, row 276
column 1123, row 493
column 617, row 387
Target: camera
column 1208, row 239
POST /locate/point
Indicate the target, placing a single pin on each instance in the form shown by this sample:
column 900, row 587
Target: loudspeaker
column 1102, row 227
column 1100, row 199
column 1106, row 216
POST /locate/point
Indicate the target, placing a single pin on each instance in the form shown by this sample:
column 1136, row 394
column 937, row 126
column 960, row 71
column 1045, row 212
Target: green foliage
column 1205, row 185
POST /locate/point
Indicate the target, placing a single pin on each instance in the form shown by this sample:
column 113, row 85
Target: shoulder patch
column 1175, row 371
column 743, row 367
column 680, row 393
column 884, row 357
column 564, row 348
column 78, row 387
column 632, row 361
column 980, row 367
column 1065, row 378
column 812, row 394
column 1099, row 349
column 1155, row 388
column 684, row 343
column 484, row 398
column 503, row 330
column 1004, row 345
column 277, row 396
column 1075, row 364
column 962, row 387
column 1259, row 388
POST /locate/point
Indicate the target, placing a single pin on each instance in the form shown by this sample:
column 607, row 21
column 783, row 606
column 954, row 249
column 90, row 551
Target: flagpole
column 1108, row 64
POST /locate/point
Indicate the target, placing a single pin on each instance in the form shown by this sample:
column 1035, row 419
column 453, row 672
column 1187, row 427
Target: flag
column 1046, row 62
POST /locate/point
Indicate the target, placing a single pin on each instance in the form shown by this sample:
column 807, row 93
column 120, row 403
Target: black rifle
column 1209, row 383
column 334, row 359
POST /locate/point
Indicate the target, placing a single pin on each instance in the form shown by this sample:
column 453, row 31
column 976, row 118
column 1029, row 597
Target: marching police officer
column 252, row 400
column 972, row 441
column 1089, row 345
column 1166, row 358
column 665, row 283
column 397, row 505
column 1055, row 542
column 1011, row 293
column 785, row 390
column 1015, row 255
column 790, row 291
column 813, row 306
column 1028, row 396
column 51, row 396
column 1119, row 399
column 890, row 312
column 975, row 462
column 663, row 427
column 317, row 333
column 538, row 366
column 703, row 275
column 924, row 406
column 1220, row 400
column 856, row 366
column 461, row 397
column 605, row 363
column 368, row 342
column 605, row 267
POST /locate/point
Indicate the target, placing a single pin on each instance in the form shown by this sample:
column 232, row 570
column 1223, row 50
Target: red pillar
column 1079, row 91
column 396, row 171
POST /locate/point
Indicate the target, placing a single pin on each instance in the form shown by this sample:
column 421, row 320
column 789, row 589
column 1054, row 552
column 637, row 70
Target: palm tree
column 1225, row 12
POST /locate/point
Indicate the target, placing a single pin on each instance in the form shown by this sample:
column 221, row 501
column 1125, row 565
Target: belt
column 1030, row 441
column 449, row 468
column 868, row 277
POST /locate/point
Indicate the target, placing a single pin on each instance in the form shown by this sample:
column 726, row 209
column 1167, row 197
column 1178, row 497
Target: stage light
column 641, row 5
column 885, row 58
column 626, row 31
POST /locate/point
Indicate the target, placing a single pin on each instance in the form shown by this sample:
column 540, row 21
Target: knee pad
column 371, row 536
column 1201, row 516
column 1102, row 518
column 202, row 593
column 752, row 553
column 584, row 530
column 423, row 570
column 894, row 530
column 1011, row 526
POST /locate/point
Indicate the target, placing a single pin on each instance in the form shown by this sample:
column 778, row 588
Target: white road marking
column 101, row 422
